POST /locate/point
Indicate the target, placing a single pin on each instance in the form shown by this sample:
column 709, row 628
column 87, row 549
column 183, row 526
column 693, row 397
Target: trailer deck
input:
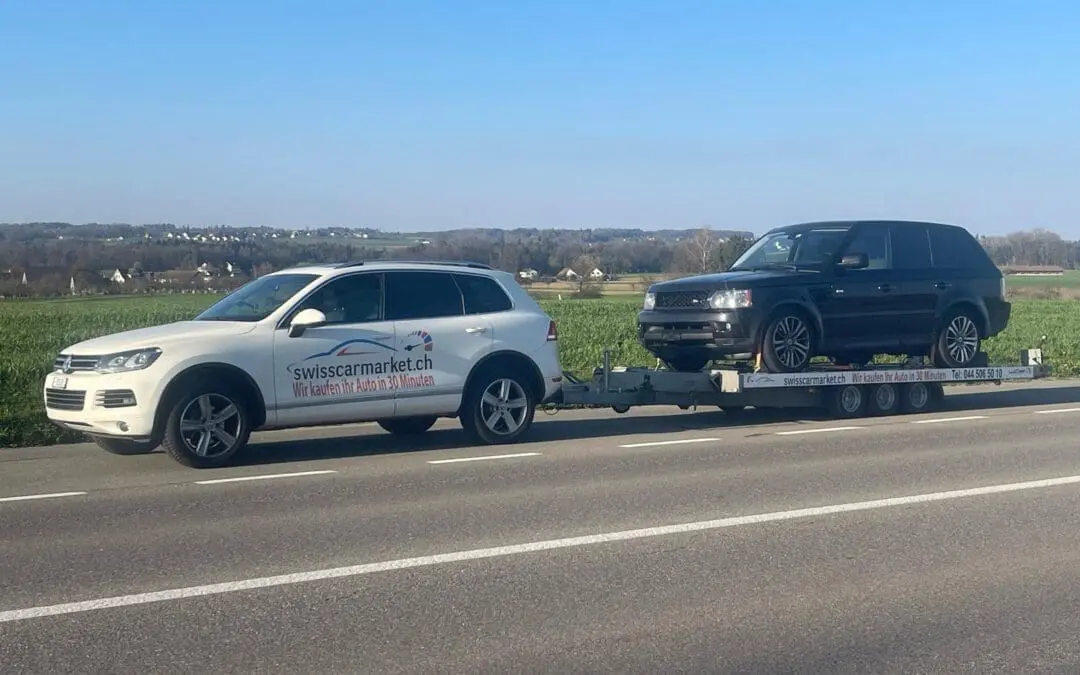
column 845, row 392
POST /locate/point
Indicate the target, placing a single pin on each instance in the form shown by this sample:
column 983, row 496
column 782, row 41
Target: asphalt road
column 659, row 541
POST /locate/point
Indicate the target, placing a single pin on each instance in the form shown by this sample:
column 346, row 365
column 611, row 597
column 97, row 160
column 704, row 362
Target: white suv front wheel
column 499, row 408
column 206, row 426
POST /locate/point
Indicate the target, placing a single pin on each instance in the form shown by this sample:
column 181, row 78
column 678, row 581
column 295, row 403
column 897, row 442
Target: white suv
column 398, row 343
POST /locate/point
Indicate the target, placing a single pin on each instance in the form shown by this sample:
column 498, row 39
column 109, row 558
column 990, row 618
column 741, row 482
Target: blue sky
column 458, row 113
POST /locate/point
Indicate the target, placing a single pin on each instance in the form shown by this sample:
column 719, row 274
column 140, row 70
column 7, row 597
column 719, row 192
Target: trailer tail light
column 553, row 332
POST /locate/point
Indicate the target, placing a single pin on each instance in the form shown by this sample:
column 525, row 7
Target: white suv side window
column 428, row 311
column 355, row 298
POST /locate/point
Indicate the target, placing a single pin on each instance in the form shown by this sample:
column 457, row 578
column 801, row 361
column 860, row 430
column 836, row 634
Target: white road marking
column 516, row 549
column 265, row 476
column 678, row 442
column 54, row 495
column 942, row 420
column 1056, row 410
column 819, row 430
column 482, row 457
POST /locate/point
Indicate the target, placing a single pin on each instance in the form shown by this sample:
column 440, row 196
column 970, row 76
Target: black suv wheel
column 958, row 340
column 788, row 342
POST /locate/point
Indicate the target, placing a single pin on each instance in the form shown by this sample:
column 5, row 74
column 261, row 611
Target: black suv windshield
column 793, row 249
column 257, row 299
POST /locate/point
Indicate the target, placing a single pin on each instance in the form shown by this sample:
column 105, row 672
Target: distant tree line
column 53, row 253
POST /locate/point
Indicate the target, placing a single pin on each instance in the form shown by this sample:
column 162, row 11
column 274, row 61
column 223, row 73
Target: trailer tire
column 919, row 397
column 621, row 409
column 733, row 409
column 846, row 402
column 884, row 399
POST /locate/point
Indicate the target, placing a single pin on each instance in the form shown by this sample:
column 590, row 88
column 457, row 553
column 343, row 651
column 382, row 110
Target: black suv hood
column 725, row 280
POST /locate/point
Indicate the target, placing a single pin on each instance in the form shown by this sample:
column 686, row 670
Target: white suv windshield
column 793, row 248
column 258, row 299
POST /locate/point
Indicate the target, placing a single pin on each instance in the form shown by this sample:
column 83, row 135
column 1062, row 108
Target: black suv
column 845, row 290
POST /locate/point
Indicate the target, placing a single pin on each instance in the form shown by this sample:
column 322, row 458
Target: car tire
column 408, row 426
column 788, row 342
column 123, row 446
column 958, row 340
column 686, row 364
column 499, row 408
column 207, row 425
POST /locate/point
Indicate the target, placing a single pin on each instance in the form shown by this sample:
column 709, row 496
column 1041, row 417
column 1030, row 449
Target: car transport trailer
column 844, row 392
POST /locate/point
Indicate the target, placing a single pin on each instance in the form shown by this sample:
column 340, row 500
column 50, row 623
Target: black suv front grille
column 64, row 399
column 682, row 300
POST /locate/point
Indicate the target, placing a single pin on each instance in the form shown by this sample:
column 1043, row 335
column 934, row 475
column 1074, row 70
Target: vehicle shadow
column 565, row 427
column 958, row 399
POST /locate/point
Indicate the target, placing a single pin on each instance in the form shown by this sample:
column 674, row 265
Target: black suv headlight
column 735, row 299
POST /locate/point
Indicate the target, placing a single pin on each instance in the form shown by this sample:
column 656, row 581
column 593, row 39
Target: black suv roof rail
column 451, row 263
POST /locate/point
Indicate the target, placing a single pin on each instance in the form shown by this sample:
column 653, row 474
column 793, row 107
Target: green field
column 33, row 332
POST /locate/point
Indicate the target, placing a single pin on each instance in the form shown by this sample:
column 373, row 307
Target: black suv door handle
column 885, row 288
column 941, row 285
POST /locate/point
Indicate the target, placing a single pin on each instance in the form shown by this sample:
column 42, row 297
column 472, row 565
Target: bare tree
column 699, row 254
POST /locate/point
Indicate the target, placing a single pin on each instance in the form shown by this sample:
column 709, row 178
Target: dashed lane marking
column 945, row 420
column 265, row 476
column 819, row 430
column 53, row 495
column 479, row 458
column 682, row 441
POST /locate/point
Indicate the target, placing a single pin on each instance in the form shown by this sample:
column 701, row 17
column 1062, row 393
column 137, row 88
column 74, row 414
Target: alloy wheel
column 791, row 341
column 210, row 425
column 961, row 339
column 504, row 407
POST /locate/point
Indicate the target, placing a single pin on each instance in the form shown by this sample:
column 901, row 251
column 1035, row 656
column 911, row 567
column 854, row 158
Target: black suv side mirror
column 854, row 261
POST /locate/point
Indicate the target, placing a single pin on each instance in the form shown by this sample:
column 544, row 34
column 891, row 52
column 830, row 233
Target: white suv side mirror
column 306, row 318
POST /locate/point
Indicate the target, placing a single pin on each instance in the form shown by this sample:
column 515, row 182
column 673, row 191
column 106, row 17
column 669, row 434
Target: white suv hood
column 159, row 336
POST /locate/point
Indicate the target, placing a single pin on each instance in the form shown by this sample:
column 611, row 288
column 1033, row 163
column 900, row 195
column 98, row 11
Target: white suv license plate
column 59, row 382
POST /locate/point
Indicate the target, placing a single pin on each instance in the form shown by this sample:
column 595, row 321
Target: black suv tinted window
column 353, row 299
column 955, row 248
column 482, row 294
column 873, row 240
column 422, row 295
column 910, row 247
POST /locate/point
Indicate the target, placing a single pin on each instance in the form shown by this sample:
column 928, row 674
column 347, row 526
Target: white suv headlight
column 730, row 299
column 650, row 300
column 127, row 361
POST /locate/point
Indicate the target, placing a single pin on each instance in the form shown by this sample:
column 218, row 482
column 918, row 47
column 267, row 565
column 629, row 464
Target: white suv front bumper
column 119, row 405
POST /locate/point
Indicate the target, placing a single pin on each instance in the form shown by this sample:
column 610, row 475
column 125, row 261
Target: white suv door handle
column 476, row 330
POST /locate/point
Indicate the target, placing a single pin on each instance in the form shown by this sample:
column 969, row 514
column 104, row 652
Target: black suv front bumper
column 670, row 334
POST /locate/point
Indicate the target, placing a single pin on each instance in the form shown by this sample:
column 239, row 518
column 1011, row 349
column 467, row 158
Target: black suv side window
column 422, row 295
column 352, row 299
column 954, row 248
column 482, row 294
column 910, row 247
column 873, row 240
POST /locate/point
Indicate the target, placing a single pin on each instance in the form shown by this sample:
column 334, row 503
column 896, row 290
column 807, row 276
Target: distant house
column 566, row 274
column 1033, row 271
column 596, row 274
column 529, row 273
column 114, row 275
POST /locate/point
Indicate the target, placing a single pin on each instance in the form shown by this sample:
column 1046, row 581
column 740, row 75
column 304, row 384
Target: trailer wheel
column 884, row 399
column 621, row 409
column 847, row 402
column 732, row 409
column 919, row 397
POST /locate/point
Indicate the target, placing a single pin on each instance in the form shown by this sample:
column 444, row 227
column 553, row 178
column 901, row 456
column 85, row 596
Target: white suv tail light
column 553, row 331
